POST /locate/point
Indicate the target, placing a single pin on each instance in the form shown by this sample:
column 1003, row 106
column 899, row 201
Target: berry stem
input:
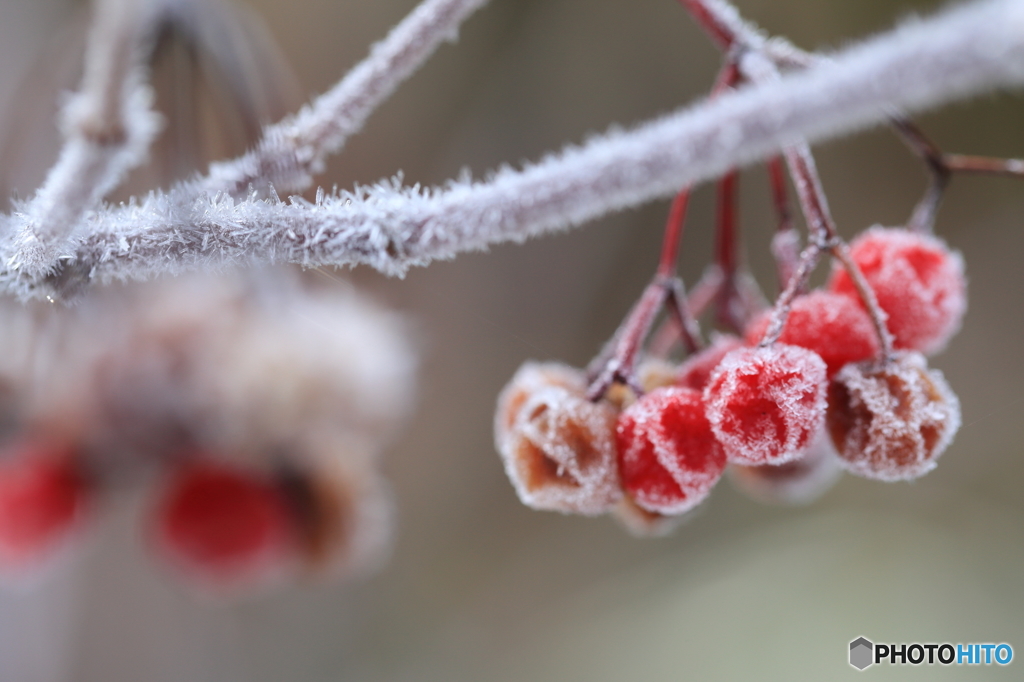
column 617, row 361
column 786, row 241
column 941, row 167
column 878, row 317
column 728, row 310
column 797, row 283
column 823, row 235
column 673, row 233
column 713, row 23
column 922, row 220
column 699, row 298
column 963, row 163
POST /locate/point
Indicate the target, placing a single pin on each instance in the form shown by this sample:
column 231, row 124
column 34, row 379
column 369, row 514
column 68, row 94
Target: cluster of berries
column 213, row 520
column 254, row 406
column 786, row 414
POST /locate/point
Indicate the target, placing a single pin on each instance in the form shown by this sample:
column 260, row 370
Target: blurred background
column 478, row 586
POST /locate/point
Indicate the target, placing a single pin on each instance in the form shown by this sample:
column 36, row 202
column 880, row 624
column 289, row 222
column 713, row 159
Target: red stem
column 673, row 233
column 780, row 196
column 983, row 164
column 617, row 361
column 722, row 34
column 726, row 252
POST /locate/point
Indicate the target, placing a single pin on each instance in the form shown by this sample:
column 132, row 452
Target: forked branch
column 922, row 64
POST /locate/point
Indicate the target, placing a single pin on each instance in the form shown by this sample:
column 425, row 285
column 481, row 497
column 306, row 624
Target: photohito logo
column 865, row 653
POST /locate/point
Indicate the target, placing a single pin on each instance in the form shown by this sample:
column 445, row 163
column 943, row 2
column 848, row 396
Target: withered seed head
column 891, row 421
column 558, row 447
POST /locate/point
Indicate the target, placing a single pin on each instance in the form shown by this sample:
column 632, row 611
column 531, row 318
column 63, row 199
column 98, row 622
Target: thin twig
column 108, row 127
column 294, row 150
column 785, row 244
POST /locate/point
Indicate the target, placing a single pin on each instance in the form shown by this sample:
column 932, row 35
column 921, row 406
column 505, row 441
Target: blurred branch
column 108, row 127
column 293, row 151
column 961, row 52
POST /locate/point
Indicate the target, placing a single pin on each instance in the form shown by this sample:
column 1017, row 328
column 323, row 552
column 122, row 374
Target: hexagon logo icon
column 861, row 651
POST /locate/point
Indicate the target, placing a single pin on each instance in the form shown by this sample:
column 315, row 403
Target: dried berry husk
column 799, row 482
column 342, row 509
column 642, row 523
column 891, row 420
column 651, row 374
column 558, row 447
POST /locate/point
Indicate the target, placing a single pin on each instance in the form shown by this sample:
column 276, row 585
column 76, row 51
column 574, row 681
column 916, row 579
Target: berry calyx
column 891, row 421
column 222, row 522
column 558, row 448
column 832, row 325
column 800, row 481
column 766, row 404
column 42, row 498
column 918, row 281
column 668, row 457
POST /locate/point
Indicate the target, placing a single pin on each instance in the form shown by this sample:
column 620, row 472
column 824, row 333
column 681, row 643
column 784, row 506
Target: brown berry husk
column 558, row 447
column 799, row 482
column 891, row 420
column 641, row 523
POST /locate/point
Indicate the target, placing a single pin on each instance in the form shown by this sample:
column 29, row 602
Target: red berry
column 918, row 281
column 223, row 522
column 891, row 421
column 830, row 324
column 668, row 457
column 766, row 404
column 695, row 372
column 42, row 497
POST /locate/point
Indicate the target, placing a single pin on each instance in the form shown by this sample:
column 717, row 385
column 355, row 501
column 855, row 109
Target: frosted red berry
column 42, row 497
column 891, row 421
column 695, row 372
column 918, row 281
column 223, row 522
column 766, row 404
column 668, row 457
column 832, row 325
column 558, row 448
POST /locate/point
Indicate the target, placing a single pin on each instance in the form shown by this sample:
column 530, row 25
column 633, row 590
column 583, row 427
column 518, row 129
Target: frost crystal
column 830, row 324
column 892, row 421
column 918, row 281
column 668, row 457
column 766, row 404
column 558, row 447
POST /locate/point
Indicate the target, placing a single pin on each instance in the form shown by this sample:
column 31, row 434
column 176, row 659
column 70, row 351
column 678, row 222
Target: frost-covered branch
column 922, row 64
column 108, row 127
column 293, row 151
